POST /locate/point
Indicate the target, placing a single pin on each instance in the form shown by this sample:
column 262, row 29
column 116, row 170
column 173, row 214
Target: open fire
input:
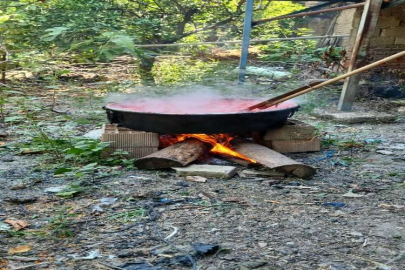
column 221, row 143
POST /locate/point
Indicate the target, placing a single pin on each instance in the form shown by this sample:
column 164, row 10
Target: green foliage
column 61, row 223
column 100, row 30
column 71, row 190
column 301, row 51
column 86, row 29
column 130, row 216
column 183, row 72
column 78, row 158
column 85, row 150
column 279, row 28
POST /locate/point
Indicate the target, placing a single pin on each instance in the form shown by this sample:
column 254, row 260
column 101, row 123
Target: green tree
column 100, row 30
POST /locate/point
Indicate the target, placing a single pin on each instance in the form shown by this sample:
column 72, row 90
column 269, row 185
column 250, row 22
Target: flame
column 221, row 143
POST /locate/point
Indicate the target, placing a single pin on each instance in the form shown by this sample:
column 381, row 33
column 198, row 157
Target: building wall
column 389, row 36
column 344, row 25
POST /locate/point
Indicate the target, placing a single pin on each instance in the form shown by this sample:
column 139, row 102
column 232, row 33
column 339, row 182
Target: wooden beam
column 309, row 13
column 367, row 26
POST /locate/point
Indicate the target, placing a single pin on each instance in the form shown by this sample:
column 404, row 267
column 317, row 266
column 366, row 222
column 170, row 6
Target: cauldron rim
column 294, row 107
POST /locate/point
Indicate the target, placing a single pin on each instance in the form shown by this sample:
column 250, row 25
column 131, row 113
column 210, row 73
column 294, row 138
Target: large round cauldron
column 196, row 116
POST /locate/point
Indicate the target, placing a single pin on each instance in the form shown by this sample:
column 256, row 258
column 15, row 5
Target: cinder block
column 378, row 41
column 400, row 40
column 137, row 143
column 292, row 130
column 385, row 22
column 294, row 137
column 297, row 146
column 393, row 32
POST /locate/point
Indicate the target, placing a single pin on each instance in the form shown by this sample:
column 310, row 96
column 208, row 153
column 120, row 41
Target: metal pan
column 199, row 123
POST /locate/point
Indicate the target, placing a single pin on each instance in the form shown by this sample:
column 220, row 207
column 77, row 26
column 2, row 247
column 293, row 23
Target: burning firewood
column 274, row 160
column 177, row 155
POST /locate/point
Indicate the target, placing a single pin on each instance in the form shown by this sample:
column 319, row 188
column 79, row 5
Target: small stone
column 107, row 201
column 97, row 209
column 56, row 189
column 199, row 179
column 384, row 152
column 294, row 184
column 21, row 199
column 94, row 134
column 3, row 132
column 385, row 251
column 262, row 244
column 338, row 213
column 252, row 265
column 352, row 195
column 215, row 171
column 389, row 230
column 290, row 244
column 358, row 240
column 356, row 234
column 18, row 186
column 141, row 252
column 125, row 254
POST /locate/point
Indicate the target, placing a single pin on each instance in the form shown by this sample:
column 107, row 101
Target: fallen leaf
column 19, row 249
column 18, row 225
column 3, row 264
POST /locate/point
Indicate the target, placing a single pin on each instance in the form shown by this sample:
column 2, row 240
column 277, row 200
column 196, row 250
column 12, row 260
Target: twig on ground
column 175, row 231
column 21, row 259
column 152, row 217
column 29, row 266
column 109, row 266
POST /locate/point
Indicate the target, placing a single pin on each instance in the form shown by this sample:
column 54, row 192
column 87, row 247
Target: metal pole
column 245, row 41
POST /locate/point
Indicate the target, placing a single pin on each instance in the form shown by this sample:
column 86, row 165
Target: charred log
column 274, row 160
column 176, row 155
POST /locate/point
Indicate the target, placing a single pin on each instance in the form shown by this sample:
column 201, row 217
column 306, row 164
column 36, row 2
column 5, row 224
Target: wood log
column 274, row 160
column 176, row 155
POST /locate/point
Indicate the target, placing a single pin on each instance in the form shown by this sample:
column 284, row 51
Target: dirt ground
column 350, row 215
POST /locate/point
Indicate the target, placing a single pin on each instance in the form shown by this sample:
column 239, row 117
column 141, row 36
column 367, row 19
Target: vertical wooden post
column 246, row 40
column 358, row 59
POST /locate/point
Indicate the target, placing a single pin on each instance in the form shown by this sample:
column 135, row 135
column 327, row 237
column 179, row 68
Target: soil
column 350, row 215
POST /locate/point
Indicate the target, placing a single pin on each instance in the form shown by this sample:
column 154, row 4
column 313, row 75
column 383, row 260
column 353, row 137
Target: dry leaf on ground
column 19, row 249
column 17, row 224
